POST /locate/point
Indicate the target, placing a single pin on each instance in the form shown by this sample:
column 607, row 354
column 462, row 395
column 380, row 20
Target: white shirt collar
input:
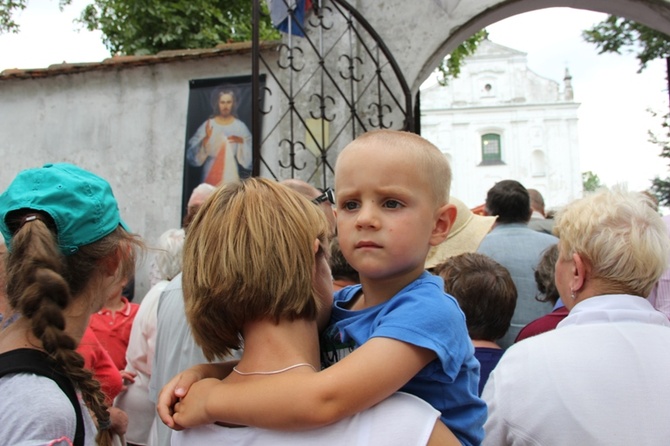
column 614, row 308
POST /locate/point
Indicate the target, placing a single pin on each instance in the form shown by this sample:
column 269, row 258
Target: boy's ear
column 445, row 217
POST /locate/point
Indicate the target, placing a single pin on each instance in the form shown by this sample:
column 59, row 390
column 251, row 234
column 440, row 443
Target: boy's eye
column 392, row 204
column 350, row 205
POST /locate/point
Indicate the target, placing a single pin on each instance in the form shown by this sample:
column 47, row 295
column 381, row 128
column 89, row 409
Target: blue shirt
column 421, row 314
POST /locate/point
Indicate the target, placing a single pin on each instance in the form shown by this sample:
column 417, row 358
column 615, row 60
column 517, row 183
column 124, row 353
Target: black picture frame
column 202, row 93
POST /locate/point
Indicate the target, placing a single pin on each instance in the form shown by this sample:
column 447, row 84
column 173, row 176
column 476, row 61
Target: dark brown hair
column 484, row 290
column 544, row 276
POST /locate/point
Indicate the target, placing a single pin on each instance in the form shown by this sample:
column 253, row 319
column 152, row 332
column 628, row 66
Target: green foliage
column 590, row 181
column 450, row 67
column 661, row 187
column 614, row 34
column 7, row 10
column 137, row 27
column 9, row 7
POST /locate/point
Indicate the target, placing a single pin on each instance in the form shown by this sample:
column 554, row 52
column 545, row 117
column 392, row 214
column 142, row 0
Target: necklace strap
column 274, row 372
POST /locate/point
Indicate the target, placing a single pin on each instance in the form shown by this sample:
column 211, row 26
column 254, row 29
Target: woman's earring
column 572, row 295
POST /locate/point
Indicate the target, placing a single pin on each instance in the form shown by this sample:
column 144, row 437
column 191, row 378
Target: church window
column 491, row 150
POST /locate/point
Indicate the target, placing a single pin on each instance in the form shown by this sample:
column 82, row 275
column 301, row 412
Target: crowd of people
column 381, row 312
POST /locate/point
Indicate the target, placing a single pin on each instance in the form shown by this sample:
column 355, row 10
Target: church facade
column 499, row 120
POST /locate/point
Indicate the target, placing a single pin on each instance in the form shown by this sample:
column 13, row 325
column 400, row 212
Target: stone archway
column 439, row 26
column 331, row 85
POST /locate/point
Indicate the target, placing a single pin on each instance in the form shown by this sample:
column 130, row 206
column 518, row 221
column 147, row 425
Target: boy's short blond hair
column 430, row 161
column 249, row 256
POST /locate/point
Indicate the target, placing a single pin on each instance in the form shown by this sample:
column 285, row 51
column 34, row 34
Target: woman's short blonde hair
column 619, row 235
column 249, row 255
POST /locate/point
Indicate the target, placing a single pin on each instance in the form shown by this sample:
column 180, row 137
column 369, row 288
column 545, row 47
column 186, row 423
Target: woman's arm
column 442, row 436
column 298, row 401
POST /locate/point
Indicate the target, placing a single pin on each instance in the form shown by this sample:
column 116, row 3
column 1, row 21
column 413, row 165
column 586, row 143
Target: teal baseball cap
column 80, row 203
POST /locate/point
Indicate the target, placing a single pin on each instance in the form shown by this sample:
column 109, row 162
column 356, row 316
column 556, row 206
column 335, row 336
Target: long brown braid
column 42, row 282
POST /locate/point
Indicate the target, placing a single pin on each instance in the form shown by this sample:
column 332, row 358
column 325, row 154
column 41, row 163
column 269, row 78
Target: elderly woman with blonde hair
column 600, row 378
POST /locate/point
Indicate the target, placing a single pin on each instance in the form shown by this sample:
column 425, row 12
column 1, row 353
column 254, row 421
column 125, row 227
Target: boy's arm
column 370, row 374
column 179, row 386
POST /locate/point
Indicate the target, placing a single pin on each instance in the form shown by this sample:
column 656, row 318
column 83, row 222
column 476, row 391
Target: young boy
column 392, row 192
column 487, row 295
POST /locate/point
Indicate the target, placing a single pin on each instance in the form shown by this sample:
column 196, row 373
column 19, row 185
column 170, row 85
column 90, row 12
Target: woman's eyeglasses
column 327, row 195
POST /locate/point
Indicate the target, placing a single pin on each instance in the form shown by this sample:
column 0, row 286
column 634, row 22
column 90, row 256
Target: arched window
column 491, row 149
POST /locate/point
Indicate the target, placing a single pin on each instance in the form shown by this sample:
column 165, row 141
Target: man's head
column 536, row 201
column 310, row 192
column 392, row 202
column 485, row 292
column 509, row 201
column 199, row 195
column 224, row 102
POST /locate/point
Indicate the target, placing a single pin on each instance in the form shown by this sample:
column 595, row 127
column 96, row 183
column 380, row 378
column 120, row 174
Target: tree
column 7, row 10
column 450, row 67
column 590, row 181
column 149, row 26
column 661, row 187
column 615, row 34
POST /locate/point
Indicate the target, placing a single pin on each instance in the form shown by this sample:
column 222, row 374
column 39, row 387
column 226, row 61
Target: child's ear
column 445, row 217
column 111, row 263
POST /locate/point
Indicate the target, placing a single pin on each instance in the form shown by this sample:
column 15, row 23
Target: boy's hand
column 191, row 410
column 170, row 394
column 127, row 377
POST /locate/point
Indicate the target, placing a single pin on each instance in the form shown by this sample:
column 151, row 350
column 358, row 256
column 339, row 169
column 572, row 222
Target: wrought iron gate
column 321, row 91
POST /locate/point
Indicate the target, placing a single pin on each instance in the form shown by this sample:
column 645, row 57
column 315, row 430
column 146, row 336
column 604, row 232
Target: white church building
column 499, row 120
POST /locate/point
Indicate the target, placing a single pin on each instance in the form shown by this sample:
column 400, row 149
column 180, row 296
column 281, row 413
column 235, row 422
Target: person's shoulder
column 37, row 394
column 38, row 413
column 134, row 307
column 427, row 294
column 347, row 293
column 405, row 401
column 174, row 284
column 550, row 238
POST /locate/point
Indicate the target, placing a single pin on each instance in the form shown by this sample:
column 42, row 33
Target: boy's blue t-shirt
column 421, row 314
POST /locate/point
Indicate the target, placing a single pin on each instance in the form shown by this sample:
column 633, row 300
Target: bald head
column 310, row 192
column 303, row 188
column 536, row 200
column 199, row 195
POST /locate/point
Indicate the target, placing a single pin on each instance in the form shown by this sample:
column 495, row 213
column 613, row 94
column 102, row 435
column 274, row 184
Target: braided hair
column 42, row 283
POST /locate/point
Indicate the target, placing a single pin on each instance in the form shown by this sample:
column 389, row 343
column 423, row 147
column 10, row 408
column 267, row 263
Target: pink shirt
column 660, row 295
column 113, row 330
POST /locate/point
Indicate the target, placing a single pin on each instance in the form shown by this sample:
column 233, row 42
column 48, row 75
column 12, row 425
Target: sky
column 613, row 117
